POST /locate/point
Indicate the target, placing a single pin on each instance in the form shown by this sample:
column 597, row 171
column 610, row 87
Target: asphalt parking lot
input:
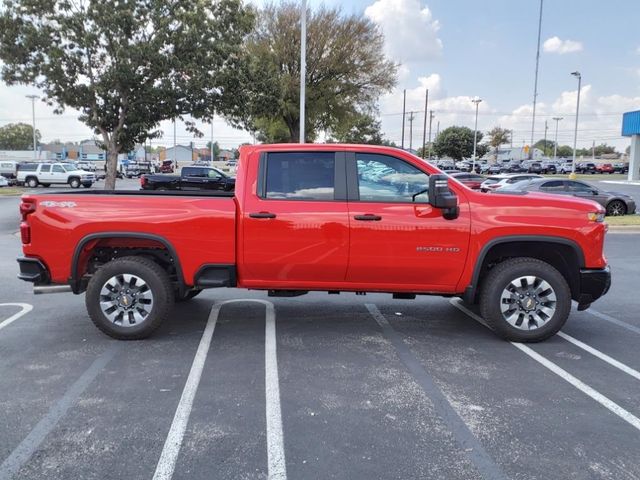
column 316, row 387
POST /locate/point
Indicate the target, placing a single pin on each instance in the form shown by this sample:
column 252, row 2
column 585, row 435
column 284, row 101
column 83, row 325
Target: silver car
column 614, row 203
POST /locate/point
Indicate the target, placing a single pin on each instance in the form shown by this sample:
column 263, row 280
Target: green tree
column 17, row 136
column 498, row 136
column 545, row 147
column 346, row 71
column 457, row 143
column 565, row 151
column 604, row 149
column 361, row 128
column 216, row 150
column 129, row 65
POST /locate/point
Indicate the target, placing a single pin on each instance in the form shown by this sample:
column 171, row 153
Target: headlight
column 596, row 217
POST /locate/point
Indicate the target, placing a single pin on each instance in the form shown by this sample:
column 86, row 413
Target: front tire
column 129, row 298
column 74, row 183
column 525, row 300
column 32, row 182
column 616, row 208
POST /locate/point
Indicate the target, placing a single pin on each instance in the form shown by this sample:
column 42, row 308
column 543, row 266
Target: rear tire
column 529, row 310
column 128, row 309
column 32, row 182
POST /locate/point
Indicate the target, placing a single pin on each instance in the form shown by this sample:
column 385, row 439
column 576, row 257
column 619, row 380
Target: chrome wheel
column 126, row 300
column 528, row 302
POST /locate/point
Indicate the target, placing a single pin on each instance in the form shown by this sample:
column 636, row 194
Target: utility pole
column 593, row 151
column 211, row 146
column 404, row 106
column 437, row 131
column 575, row 133
column 33, row 116
column 555, row 147
column 535, row 83
column 475, row 135
column 424, row 126
column 175, row 162
column 545, row 139
column 430, row 142
column 303, row 66
column 411, row 117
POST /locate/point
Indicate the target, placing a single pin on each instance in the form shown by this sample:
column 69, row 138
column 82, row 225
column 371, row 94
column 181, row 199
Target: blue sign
column 631, row 123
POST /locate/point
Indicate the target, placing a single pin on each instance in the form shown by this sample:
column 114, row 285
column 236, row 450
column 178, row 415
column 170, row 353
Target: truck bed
column 199, row 228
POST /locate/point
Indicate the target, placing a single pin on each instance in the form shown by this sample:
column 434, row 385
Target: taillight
column 27, row 207
column 143, row 180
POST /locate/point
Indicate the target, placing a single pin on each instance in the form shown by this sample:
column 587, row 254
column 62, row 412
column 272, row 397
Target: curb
column 624, row 228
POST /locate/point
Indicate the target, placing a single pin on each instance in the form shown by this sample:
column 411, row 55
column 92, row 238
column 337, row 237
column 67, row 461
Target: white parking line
column 615, row 321
column 26, row 308
column 275, row 442
column 566, row 376
column 602, row 356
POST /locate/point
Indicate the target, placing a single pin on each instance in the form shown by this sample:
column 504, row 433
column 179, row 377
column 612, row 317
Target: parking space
column 322, row 387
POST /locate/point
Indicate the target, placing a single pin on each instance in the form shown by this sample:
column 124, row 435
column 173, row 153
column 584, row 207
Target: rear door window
column 552, row 186
column 300, row 176
column 45, row 169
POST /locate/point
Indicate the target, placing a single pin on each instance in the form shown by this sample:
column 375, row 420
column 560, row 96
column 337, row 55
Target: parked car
column 566, row 167
column 166, row 166
column 4, row 182
column 605, row 168
column 614, row 203
column 46, row 174
column 549, row 168
column 86, row 166
column 135, row 169
column 586, row 168
column 494, row 169
column 534, row 167
column 495, row 182
column 190, row 178
column 471, row 180
column 621, row 167
column 305, row 218
column 9, row 170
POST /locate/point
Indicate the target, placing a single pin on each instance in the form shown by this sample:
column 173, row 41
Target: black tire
column 74, row 182
column 185, row 297
column 616, row 208
column 32, row 182
column 46, row 185
column 157, row 281
column 87, row 185
column 499, row 278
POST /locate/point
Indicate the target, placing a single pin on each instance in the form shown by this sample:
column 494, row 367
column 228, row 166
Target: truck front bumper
column 34, row 271
column 594, row 283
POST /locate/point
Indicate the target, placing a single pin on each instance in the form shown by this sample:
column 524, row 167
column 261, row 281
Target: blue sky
column 461, row 49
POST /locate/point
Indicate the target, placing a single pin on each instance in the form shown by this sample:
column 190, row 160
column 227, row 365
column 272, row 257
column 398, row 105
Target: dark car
column 621, row 167
column 586, row 168
column 614, row 203
column 471, row 180
column 549, row 168
column 534, row 167
column 190, row 178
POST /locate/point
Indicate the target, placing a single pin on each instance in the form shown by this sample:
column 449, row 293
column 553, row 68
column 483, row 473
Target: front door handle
column 262, row 215
column 368, row 218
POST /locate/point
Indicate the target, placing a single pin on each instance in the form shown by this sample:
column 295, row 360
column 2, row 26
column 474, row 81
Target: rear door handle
column 368, row 218
column 262, row 215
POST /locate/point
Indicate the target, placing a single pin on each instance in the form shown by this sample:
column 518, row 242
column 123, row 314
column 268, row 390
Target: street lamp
column 555, row 146
column 475, row 133
column 575, row 133
column 33, row 115
column 303, row 66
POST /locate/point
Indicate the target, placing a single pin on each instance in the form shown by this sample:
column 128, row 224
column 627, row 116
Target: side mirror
column 441, row 196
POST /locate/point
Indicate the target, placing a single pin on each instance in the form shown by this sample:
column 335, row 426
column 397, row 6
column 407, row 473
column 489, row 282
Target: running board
column 42, row 289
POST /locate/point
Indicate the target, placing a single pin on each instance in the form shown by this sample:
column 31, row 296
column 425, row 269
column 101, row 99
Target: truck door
column 399, row 241
column 295, row 223
column 58, row 174
column 44, row 175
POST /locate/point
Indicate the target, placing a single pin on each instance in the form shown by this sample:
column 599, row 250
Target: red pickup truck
column 336, row 218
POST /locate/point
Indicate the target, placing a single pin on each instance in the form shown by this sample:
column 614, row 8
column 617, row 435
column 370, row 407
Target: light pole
column 303, row 65
column 575, row 133
column 33, row 116
column 535, row 82
column 555, row 146
column 475, row 133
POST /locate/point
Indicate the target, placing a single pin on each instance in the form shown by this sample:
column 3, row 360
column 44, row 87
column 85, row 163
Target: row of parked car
column 615, row 203
column 533, row 166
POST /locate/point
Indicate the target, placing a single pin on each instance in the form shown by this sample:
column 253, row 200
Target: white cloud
column 411, row 33
column 556, row 45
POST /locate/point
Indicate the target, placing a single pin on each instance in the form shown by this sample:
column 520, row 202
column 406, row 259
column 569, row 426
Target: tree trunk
column 112, row 167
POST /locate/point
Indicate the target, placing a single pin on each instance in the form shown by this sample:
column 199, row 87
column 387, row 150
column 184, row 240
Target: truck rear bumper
column 34, row 271
column 594, row 283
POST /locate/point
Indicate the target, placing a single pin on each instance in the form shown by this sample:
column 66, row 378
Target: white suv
column 45, row 174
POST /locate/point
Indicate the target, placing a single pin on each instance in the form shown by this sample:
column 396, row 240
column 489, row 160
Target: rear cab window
column 300, row 176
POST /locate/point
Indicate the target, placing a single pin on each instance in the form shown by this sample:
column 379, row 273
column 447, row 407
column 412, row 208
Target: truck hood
column 530, row 200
